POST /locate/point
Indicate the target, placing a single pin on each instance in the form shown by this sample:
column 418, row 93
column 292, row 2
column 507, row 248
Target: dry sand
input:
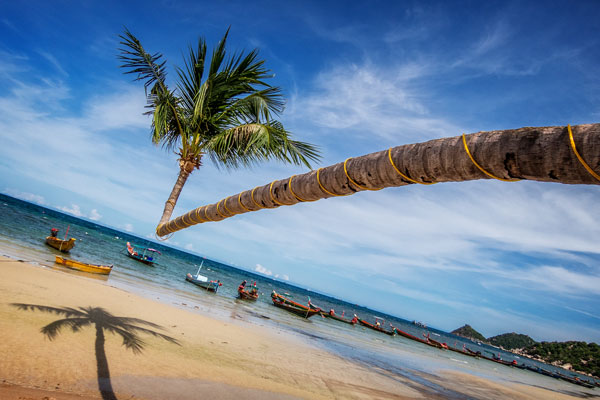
column 214, row 359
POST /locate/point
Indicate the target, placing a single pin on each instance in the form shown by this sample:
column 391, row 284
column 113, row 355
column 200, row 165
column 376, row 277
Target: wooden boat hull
column 145, row 258
column 59, row 244
column 413, row 337
column 338, row 318
column 210, row 286
column 247, row 295
column 376, row 328
column 282, row 299
column 85, row 267
column 140, row 259
column 301, row 312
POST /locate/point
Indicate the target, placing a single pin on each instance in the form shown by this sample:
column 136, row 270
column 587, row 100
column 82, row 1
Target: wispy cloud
column 370, row 101
column 54, row 62
column 95, row 215
column 73, row 210
column 34, row 198
column 262, row 270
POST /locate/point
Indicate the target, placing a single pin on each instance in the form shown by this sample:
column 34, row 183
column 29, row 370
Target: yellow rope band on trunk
column 254, row 201
column 226, row 208
column 170, row 227
column 198, row 215
column 322, row 188
column 479, row 167
column 273, row 197
column 176, row 224
column 240, row 202
column 184, row 221
column 219, row 212
column 352, row 181
column 404, row 176
column 206, row 216
column 292, row 192
column 158, row 228
column 581, row 160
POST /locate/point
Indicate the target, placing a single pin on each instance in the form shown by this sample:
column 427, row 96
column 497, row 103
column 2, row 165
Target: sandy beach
column 197, row 355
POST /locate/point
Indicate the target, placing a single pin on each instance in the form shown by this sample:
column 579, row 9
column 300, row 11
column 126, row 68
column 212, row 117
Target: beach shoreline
column 225, row 359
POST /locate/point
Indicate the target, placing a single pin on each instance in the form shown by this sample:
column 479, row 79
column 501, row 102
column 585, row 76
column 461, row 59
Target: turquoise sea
column 24, row 226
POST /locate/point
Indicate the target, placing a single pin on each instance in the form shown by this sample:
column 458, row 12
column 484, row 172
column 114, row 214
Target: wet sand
column 211, row 358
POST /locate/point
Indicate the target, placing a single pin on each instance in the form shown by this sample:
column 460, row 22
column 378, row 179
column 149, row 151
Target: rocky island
column 582, row 357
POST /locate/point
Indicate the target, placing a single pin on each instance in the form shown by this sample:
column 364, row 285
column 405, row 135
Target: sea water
column 24, row 226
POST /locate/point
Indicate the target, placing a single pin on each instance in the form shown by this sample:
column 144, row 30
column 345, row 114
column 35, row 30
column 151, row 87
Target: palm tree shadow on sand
column 102, row 320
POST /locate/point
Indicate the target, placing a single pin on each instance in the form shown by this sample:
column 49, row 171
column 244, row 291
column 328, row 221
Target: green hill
column 469, row 333
column 584, row 357
column 510, row 341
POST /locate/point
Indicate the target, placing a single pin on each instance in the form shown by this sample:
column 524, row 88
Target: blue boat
column 142, row 254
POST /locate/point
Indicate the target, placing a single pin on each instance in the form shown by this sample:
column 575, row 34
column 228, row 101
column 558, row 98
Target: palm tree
column 559, row 154
column 226, row 111
column 76, row 319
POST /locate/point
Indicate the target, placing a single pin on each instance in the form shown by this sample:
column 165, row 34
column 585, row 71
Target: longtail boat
column 143, row 254
column 413, row 337
column 494, row 358
column 248, row 295
column 557, row 375
column 577, row 381
column 435, row 342
column 377, row 327
column 331, row 314
column 336, row 317
column 304, row 312
column 285, row 300
column 199, row 280
column 85, row 267
column 59, row 244
column 202, row 281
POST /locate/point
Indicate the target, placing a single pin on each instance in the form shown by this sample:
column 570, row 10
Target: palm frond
column 190, row 79
column 136, row 60
column 218, row 54
column 249, row 144
column 135, row 328
column 66, row 311
column 54, row 328
column 130, row 340
column 166, row 122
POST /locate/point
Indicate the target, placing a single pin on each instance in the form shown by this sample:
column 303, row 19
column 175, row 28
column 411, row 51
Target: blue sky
column 359, row 77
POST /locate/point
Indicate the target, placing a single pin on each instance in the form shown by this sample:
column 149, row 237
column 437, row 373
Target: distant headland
column 572, row 355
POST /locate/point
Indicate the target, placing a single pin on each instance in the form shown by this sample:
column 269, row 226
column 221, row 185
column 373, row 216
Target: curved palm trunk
column 104, row 384
column 172, row 200
column 541, row 154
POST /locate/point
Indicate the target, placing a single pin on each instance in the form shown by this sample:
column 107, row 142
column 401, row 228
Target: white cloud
column 94, row 215
column 370, row 101
column 128, row 228
column 74, row 210
column 54, row 62
column 557, row 280
column 262, row 270
column 189, row 246
column 33, row 198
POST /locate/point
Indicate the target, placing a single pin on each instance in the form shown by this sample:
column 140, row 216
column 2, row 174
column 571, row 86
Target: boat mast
column 199, row 268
